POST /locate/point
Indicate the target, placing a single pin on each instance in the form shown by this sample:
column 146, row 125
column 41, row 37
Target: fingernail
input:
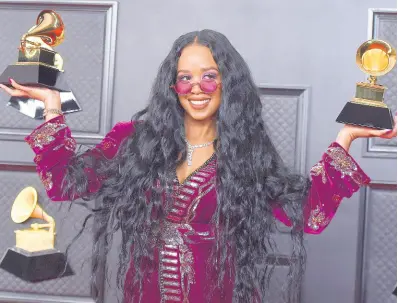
column 9, row 79
column 388, row 131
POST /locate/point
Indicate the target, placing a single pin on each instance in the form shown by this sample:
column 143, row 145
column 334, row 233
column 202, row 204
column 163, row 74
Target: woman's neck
column 199, row 132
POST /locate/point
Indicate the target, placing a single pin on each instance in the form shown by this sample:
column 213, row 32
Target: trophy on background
column 39, row 65
column 34, row 257
column 375, row 58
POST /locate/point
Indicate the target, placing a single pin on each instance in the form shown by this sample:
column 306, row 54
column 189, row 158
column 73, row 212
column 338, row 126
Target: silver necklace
column 191, row 149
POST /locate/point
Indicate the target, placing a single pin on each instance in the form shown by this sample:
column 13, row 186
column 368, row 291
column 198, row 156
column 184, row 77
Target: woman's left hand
column 351, row 132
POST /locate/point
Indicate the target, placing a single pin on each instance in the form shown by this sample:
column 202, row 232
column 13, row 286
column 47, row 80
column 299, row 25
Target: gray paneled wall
column 378, row 251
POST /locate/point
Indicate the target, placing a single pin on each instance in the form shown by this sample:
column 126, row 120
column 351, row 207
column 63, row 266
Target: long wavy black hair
column 251, row 177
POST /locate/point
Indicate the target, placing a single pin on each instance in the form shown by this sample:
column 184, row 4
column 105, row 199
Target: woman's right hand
column 49, row 97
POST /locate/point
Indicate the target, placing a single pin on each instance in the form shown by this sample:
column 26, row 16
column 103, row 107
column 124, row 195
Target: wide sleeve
column 55, row 149
column 336, row 176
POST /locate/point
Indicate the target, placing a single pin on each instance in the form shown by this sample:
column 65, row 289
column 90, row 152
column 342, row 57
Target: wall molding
column 11, row 297
column 16, row 166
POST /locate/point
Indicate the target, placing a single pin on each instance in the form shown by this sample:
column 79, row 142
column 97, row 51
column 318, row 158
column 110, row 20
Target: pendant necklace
column 191, row 149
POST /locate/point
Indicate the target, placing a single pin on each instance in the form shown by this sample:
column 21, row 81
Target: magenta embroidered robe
column 186, row 234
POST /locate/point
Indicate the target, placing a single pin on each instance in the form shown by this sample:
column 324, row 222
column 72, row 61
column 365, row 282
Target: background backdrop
column 302, row 56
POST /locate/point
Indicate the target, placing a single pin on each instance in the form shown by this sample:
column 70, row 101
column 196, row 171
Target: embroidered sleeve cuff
column 47, row 133
column 342, row 161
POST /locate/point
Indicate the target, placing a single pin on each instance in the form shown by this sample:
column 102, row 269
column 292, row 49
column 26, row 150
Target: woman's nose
column 196, row 88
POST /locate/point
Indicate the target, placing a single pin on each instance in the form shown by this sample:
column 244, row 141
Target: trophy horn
column 49, row 27
column 376, row 58
column 25, row 206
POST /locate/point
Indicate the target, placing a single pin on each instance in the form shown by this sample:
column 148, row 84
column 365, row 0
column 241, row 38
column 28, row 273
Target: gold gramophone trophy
column 375, row 58
column 39, row 65
column 34, row 257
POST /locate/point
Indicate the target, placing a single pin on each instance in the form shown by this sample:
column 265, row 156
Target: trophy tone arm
column 50, row 224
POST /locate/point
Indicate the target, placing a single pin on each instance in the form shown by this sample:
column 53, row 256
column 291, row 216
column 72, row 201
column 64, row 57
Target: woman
column 194, row 183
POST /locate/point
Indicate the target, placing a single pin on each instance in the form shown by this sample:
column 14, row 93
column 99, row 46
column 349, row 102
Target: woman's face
column 196, row 63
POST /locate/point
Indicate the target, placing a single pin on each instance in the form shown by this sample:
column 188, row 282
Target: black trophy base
column 367, row 116
column 37, row 266
column 35, row 75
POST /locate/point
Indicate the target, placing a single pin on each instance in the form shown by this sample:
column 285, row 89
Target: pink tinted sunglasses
column 183, row 87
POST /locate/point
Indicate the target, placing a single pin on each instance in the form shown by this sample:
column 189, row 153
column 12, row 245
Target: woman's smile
column 199, row 104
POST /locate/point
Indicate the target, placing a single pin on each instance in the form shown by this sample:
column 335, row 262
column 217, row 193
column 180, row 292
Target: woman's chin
column 200, row 116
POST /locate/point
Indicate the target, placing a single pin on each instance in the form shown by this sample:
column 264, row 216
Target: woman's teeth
column 199, row 102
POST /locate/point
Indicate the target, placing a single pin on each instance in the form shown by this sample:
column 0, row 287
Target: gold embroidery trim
column 192, row 207
column 172, row 237
column 344, row 164
column 70, row 144
column 317, row 219
column 319, row 169
column 336, row 198
column 175, row 239
column 47, row 180
column 45, row 135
